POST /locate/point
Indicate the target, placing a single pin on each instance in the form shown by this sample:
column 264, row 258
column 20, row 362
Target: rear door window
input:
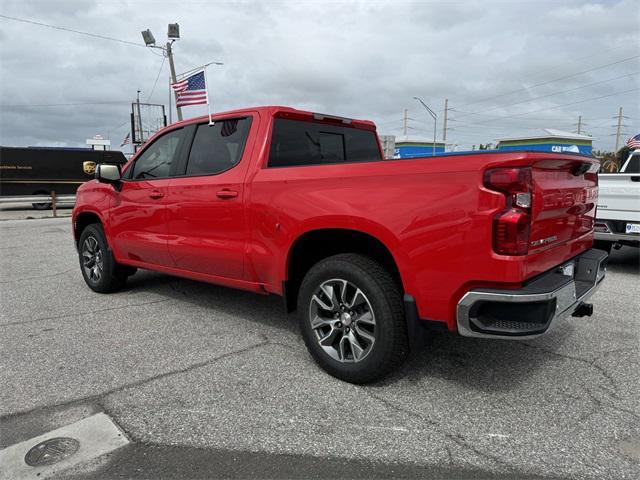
column 296, row 143
column 217, row 148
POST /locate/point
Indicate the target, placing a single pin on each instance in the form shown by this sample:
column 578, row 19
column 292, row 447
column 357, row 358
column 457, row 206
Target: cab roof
column 284, row 112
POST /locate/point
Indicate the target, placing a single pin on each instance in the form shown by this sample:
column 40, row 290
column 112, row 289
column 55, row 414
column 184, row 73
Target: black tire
column 41, row 206
column 112, row 276
column 603, row 245
column 383, row 297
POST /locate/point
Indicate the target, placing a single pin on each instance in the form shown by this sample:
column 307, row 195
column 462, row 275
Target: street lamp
column 173, row 34
column 435, row 122
column 149, row 39
column 173, row 31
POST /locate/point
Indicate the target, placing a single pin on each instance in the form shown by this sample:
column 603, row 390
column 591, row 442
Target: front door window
column 156, row 160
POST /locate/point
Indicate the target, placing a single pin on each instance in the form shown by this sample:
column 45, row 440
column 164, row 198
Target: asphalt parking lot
column 206, row 381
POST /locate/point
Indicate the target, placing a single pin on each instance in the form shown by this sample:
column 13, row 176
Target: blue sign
column 411, row 151
column 549, row 147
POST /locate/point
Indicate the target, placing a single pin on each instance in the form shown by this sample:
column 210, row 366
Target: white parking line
column 96, row 435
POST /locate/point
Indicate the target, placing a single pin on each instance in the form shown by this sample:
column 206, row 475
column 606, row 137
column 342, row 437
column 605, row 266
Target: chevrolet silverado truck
column 618, row 216
column 372, row 253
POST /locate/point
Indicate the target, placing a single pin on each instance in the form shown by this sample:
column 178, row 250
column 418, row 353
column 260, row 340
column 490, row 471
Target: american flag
column 191, row 90
column 634, row 142
column 126, row 140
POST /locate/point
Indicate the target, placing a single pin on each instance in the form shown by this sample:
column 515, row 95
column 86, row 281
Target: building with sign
column 551, row 140
column 99, row 143
column 409, row 147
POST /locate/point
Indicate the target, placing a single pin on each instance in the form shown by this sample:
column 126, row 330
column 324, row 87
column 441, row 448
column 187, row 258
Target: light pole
column 173, row 34
column 435, row 122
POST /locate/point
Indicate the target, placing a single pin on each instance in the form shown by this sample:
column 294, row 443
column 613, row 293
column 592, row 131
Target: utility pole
column 173, row 77
column 173, row 34
column 579, row 124
column 140, row 139
column 618, row 129
column 446, row 117
column 404, row 122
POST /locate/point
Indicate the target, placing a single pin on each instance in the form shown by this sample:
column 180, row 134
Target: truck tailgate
column 565, row 191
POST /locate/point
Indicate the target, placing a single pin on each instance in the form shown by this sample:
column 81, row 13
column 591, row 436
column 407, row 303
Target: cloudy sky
column 508, row 68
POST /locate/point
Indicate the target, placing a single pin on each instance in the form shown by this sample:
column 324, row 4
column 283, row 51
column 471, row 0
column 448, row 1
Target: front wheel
column 352, row 318
column 100, row 271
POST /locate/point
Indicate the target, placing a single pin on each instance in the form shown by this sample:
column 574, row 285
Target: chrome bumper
column 605, row 230
column 530, row 311
column 616, row 237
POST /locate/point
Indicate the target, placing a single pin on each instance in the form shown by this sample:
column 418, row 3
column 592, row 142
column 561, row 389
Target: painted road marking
column 97, row 435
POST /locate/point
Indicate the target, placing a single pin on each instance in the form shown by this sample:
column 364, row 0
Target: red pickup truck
column 371, row 252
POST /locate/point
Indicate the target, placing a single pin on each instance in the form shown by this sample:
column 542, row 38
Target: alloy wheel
column 343, row 320
column 92, row 259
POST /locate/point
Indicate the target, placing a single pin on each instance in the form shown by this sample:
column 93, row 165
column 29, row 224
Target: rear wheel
column 352, row 318
column 100, row 271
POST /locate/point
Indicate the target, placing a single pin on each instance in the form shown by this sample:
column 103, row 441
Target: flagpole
column 183, row 74
column 206, row 84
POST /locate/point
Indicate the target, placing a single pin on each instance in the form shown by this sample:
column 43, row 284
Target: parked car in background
column 41, row 170
column 618, row 215
column 370, row 252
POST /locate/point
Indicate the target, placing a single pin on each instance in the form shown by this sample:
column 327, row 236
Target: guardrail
column 52, row 199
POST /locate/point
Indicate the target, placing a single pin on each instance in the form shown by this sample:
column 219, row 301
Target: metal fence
column 47, row 201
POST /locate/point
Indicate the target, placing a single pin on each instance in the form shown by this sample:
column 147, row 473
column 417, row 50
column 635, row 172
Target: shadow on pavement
column 267, row 310
column 141, row 461
column 625, row 260
column 479, row 364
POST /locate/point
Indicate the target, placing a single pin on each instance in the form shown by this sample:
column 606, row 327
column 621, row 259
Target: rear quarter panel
column 432, row 217
column 433, row 214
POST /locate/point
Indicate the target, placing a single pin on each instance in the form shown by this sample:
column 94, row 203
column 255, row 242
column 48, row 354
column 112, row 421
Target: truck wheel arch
column 83, row 220
column 314, row 245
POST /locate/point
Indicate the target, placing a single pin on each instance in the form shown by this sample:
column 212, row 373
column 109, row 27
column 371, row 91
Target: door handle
column 156, row 194
column 227, row 194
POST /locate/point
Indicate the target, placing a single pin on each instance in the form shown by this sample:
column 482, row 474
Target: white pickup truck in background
column 618, row 214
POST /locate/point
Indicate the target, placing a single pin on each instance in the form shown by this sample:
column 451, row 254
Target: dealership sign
column 565, row 148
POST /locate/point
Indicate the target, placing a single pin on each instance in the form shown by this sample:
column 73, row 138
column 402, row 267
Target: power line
column 551, row 81
column 575, row 60
column 495, row 127
column 579, row 101
column 547, row 119
column 65, row 29
column 507, row 116
column 556, row 93
column 157, row 77
column 567, row 104
column 29, row 105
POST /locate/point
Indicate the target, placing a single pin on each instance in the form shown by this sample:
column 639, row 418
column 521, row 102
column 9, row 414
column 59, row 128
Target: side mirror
column 107, row 173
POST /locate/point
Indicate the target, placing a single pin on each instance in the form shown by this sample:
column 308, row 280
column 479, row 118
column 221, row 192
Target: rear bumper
column 530, row 311
column 613, row 231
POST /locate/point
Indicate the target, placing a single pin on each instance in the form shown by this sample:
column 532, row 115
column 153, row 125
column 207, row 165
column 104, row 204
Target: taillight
column 512, row 226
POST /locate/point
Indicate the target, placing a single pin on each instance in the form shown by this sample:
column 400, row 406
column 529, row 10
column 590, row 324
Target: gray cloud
column 359, row 59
